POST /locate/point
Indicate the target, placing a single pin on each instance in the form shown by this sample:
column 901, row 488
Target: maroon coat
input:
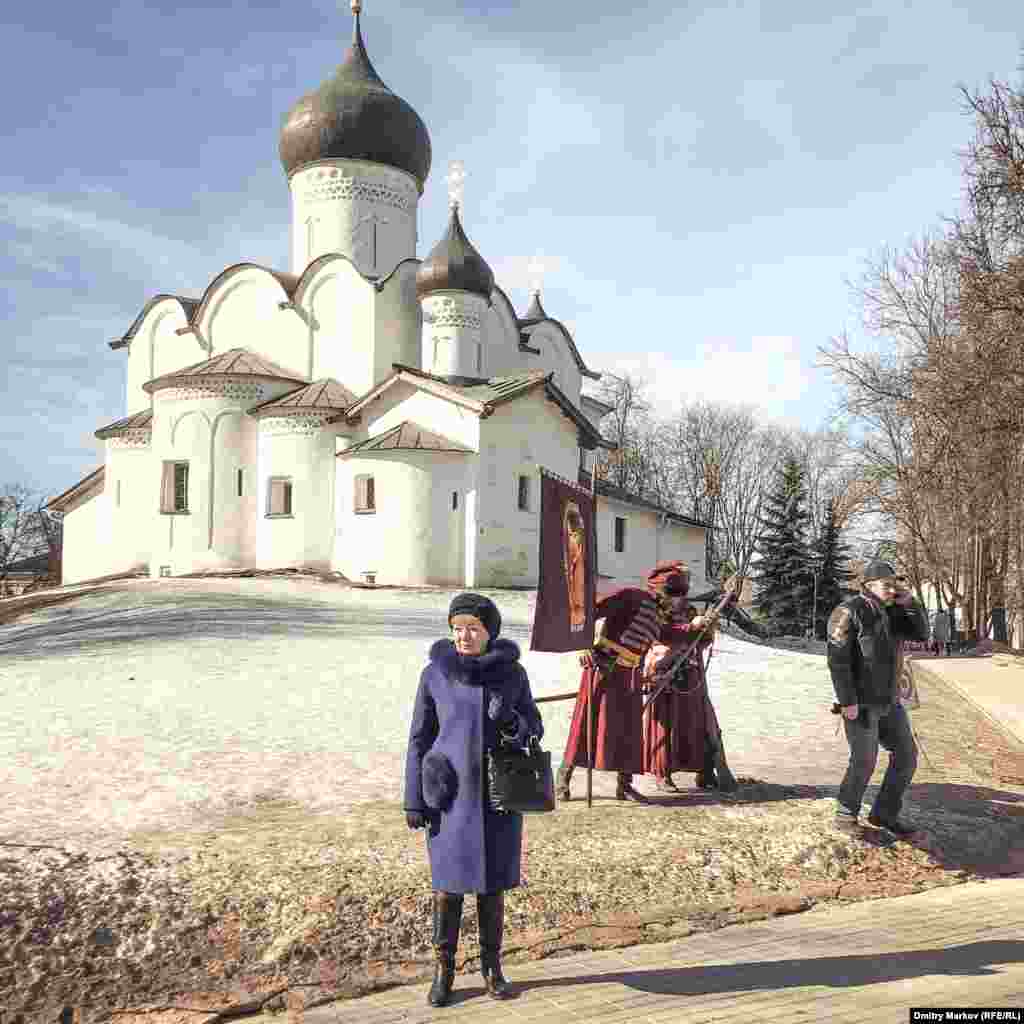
column 630, row 621
column 676, row 723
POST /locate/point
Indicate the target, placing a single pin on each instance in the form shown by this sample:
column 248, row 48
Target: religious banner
column 564, row 617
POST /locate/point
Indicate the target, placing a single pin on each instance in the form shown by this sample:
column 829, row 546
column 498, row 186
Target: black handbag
column 519, row 779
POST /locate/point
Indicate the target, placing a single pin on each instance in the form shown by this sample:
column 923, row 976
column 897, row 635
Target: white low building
column 368, row 412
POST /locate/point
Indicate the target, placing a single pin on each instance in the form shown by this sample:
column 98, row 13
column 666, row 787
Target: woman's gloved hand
column 504, row 717
column 416, row 819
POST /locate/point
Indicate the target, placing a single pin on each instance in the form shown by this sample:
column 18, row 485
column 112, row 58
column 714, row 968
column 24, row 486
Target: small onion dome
column 355, row 115
column 453, row 264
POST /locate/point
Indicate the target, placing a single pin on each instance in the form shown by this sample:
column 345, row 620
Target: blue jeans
column 890, row 727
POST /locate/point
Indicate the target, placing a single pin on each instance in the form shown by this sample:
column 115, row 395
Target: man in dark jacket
column 862, row 656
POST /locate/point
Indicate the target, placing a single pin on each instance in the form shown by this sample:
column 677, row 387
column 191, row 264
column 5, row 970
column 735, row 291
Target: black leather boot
column 490, row 908
column 447, row 918
column 624, row 789
column 707, row 778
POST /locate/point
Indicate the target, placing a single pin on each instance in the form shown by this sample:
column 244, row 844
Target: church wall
column 502, row 355
column 435, row 414
column 647, row 542
column 170, row 351
column 397, row 323
column 245, row 313
column 205, row 425
column 343, row 306
column 234, row 520
column 299, row 449
column 555, row 356
column 453, row 343
column 87, row 539
column 363, row 209
column 131, row 503
column 414, row 536
column 519, row 437
column 156, row 331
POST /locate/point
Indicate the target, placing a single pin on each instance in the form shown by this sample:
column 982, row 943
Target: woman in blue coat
column 473, row 696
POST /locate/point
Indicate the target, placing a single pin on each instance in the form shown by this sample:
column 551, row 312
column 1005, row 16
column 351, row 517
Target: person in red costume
column 633, row 620
column 675, row 723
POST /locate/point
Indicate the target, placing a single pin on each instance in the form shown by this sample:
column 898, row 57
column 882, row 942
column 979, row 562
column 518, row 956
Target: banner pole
column 593, row 668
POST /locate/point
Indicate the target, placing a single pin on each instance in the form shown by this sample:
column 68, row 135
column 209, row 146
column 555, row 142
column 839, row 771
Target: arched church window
column 279, row 496
column 365, row 494
column 174, row 488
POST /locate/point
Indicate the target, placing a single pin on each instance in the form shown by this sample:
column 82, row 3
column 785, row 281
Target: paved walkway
column 994, row 684
column 954, row 947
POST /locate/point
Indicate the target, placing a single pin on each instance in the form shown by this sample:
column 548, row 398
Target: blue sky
column 699, row 178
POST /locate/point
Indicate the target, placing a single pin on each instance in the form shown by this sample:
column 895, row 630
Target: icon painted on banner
column 574, row 545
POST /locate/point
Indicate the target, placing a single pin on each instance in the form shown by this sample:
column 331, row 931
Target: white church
column 366, row 412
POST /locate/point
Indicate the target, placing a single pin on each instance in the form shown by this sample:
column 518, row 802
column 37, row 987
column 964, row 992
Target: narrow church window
column 118, row 498
column 524, row 493
column 620, row 533
column 239, row 483
column 279, row 496
column 455, row 500
column 174, row 488
column 366, row 498
column 479, row 358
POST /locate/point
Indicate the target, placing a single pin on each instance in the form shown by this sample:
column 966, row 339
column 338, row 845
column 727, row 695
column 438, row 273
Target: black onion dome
column 355, row 115
column 454, row 264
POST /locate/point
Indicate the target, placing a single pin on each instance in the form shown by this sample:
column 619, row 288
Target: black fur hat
column 440, row 782
column 479, row 606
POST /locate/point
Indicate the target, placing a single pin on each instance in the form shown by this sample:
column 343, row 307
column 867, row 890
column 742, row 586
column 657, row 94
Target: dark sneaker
column 848, row 825
column 896, row 827
column 665, row 785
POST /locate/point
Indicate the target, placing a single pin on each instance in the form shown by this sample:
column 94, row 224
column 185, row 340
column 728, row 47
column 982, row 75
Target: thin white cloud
column 120, row 237
column 768, row 374
column 514, row 274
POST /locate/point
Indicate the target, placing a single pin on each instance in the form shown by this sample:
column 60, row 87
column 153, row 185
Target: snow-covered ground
column 150, row 704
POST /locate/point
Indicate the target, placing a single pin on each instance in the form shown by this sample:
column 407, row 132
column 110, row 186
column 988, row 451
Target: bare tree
column 23, row 532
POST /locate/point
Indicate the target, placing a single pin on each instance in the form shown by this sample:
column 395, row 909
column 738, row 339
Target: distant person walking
column 940, row 632
column 473, row 696
column 863, row 635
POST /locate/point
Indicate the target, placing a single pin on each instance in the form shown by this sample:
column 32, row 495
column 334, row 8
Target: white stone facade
column 453, row 337
column 365, row 211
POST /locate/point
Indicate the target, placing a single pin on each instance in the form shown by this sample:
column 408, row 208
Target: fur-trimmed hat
column 482, row 608
column 440, row 783
column 669, row 578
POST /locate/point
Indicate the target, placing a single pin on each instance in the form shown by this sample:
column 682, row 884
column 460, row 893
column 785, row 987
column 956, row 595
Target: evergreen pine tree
column 784, row 578
column 831, row 556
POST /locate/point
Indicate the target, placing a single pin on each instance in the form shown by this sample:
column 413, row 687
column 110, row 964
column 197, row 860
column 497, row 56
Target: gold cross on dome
column 456, row 179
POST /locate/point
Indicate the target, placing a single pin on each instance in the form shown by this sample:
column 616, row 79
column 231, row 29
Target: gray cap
column 879, row 570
